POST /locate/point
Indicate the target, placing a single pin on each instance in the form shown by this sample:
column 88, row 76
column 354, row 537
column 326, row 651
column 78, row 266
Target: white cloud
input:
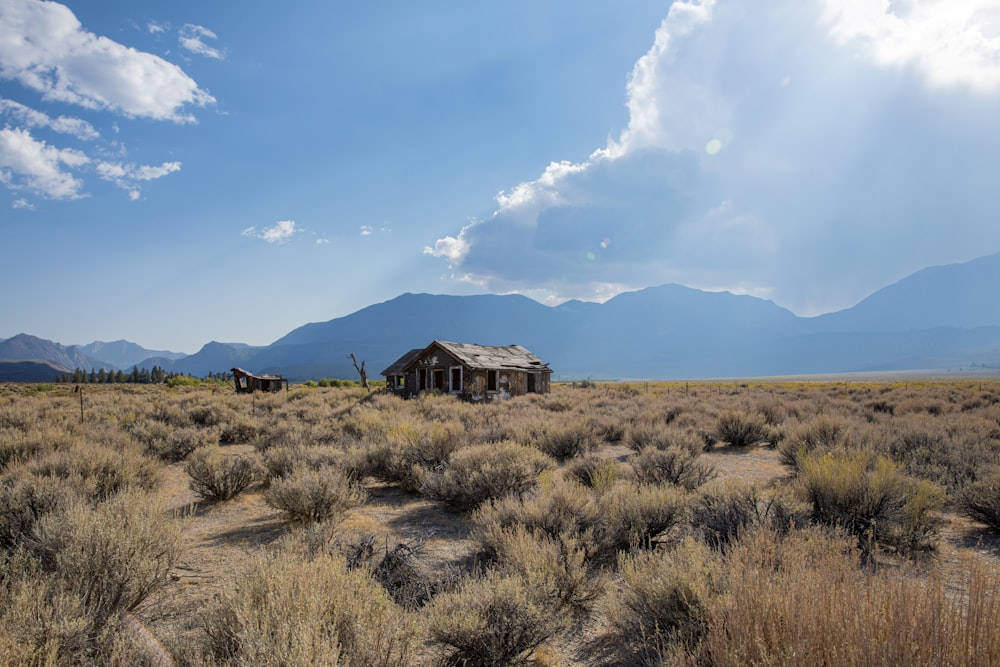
column 127, row 176
column 279, row 233
column 23, row 204
column 29, row 117
column 155, row 28
column 366, row 230
column 771, row 150
column 32, row 164
column 951, row 42
column 44, row 47
column 192, row 38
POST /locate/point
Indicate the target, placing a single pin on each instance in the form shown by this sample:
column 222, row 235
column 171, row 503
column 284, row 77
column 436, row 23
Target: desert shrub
column 608, row 428
column 408, row 452
column 98, row 471
column 643, row 435
column 802, row 600
column 737, row 428
column 493, row 621
column 637, row 516
column 567, row 440
column 980, row 501
column 771, row 410
column 952, row 451
column 216, row 476
column 207, row 414
column 562, row 510
column 478, row 473
column 111, row 558
column 594, row 471
column 660, row 606
column 280, row 461
column 674, row 465
column 821, row 434
column 238, row 430
column 555, row 566
column 722, row 515
column 24, row 499
column 17, row 446
column 290, row 610
column 40, row 625
column 865, row 494
column 308, row 495
column 406, row 576
column 178, row 443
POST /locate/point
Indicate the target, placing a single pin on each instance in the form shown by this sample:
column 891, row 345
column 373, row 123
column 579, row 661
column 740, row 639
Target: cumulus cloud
column 192, row 37
column 44, row 47
column 279, row 233
column 29, row 117
column 28, row 163
column 951, row 42
column 803, row 153
column 128, row 176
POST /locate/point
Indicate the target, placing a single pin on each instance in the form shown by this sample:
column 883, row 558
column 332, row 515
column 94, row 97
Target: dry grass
column 615, row 546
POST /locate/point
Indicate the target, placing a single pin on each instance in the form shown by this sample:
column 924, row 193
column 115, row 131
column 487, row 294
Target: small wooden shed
column 248, row 383
column 475, row 372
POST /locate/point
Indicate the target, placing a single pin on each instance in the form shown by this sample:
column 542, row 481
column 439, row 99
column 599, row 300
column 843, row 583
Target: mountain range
column 937, row 318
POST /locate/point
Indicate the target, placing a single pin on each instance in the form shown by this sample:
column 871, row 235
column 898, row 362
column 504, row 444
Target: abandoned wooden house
column 476, row 372
column 248, row 383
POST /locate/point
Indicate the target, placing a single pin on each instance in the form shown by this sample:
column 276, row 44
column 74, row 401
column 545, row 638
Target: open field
column 719, row 523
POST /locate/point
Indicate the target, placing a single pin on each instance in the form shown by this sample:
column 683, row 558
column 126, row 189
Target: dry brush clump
column 673, row 465
column 218, row 476
column 865, row 494
column 477, row 473
column 981, row 501
column 289, row 609
column 311, row 495
column 660, row 609
column 802, row 600
column 740, row 428
column 497, row 620
column 80, row 573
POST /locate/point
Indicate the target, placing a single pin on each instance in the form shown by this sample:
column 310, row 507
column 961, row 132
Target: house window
column 456, row 379
column 421, row 379
column 491, row 380
column 439, row 379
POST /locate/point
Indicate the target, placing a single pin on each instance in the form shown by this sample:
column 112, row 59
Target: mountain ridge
column 938, row 317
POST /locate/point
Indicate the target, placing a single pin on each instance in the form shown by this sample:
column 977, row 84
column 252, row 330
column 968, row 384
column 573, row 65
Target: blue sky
column 171, row 170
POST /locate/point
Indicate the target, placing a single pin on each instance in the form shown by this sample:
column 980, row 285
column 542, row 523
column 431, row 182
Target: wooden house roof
column 491, row 357
column 398, row 367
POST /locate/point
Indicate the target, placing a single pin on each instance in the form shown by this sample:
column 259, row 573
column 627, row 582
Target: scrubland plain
column 782, row 523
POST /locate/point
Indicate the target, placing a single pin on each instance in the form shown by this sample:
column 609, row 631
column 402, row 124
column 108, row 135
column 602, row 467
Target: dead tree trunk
column 361, row 371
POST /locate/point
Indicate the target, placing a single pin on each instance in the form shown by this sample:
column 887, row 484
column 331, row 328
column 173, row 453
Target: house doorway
column 439, row 380
column 456, row 379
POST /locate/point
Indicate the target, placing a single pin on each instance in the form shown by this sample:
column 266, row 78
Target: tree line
column 156, row 375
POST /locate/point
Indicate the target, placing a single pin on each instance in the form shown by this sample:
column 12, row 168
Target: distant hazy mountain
column 963, row 295
column 123, row 354
column 213, row 357
column 23, row 347
column 941, row 317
